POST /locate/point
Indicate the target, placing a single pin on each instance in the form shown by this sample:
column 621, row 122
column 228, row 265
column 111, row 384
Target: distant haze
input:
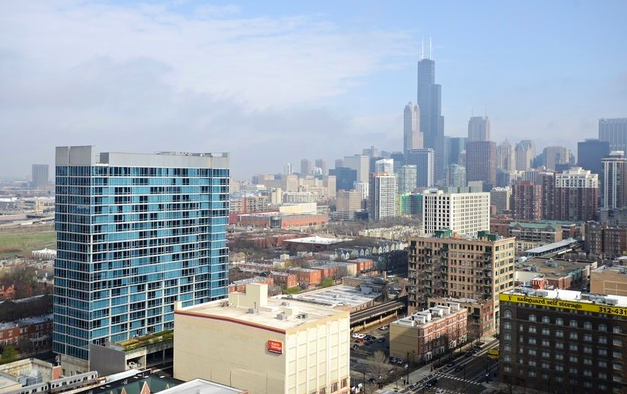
column 272, row 83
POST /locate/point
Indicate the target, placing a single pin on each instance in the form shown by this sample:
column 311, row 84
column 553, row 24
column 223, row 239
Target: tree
column 9, row 353
column 326, row 282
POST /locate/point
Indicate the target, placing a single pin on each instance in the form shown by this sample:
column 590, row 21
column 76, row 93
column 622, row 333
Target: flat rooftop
column 336, row 297
column 619, row 269
column 293, row 313
column 569, row 295
column 316, row 240
column 201, row 386
column 552, row 268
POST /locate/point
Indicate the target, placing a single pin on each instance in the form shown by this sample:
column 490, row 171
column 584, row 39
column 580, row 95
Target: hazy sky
column 275, row 81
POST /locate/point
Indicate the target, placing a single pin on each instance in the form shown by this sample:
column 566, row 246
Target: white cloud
column 147, row 77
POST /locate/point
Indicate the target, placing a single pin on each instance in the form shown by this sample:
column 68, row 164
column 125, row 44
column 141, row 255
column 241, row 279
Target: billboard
column 275, row 347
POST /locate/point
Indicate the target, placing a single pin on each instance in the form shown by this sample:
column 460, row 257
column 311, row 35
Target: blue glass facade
column 131, row 241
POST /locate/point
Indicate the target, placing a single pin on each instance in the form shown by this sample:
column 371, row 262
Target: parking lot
column 370, row 362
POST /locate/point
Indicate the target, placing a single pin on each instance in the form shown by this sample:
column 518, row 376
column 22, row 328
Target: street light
column 406, row 374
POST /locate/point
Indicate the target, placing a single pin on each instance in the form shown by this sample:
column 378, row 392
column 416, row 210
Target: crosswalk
column 457, row 378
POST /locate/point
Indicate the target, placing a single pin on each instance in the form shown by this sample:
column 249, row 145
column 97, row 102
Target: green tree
column 9, row 353
column 326, row 282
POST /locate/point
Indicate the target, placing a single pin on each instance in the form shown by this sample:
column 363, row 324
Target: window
column 602, row 340
column 532, row 341
column 559, row 345
column 602, row 327
column 617, row 330
column 617, row 378
column 587, row 325
column 532, row 352
column 559, row 333
column 532, row 363
column 532, row 317
column 573, row 323
column 602, row 352
column 559, row 321
column 507, row 347
column 546, row 320
column 573, row 347
column 559, row 379
column 507, row 368
column 507, row 336
column 617, row 366
column 587, row 349
column 587, row 337
column 507, row 358
column 323, row 391
column 507, row 314
column 572, row 359
column 602, row 364
column 532, row 329
column 545, row 365
column 617, row 342
column 617, row 354
column 333, row 387
column 546, row 343
column 546, row 354
column 587, row 384
column 559, row 367
column 532, row 374
column 507, row 325
column 545, row 375
column 344, row 382
column 587, row 361
column 572, row 335
column 545, row 331
column 572, row 370
column 602, row 375
column 559, row 356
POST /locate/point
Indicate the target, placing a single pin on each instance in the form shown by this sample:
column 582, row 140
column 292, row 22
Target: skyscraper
column 463, row 213
column 479, row 128
column 345, row 178
column 555, row 155
column 481, row 161
column 614, row 181
column 457, row 145
column 431, row 119
column 40, row 176
column 505, row 157
column 322, row 164
column 525, row 153
column 526, row 201
column 590, row 153
column 288, row 169
column 383, row 197
column 412, row 136
column 423, row 159
column 384, row 166
column 305, row 167
column 135, row 234
column 359, row 163
column 456, row 175
column 614, row 131
column 407, row 177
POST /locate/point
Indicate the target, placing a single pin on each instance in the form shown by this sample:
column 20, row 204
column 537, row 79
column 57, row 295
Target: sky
column 272, row 82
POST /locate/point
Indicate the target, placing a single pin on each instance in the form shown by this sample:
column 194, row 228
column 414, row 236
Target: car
column 451, row 364
column 459, row 368
column 394, row 360
column 381, row 340
column 469, row 354
column 360, row 340
column 367, row 337
column 355, row 347
column 355, row 335
column 383, row 328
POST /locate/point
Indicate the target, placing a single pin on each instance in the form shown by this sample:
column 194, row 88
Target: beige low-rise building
column 609, row 280
column 264, row 345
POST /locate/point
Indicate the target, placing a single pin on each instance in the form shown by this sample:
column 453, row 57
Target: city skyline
column 136, row 86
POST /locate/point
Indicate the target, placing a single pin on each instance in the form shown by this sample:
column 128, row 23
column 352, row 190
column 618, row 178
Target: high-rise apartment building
column 614, row 181
column 305, row 167
column 500, row 197
column 505, row 157
column 39, row 176
column 424, row 160
column 288, row 169
column 431, row 119
column 135, row 234
column 546, row 181
column 383, row 196
column 563, row 341
column 469, row 268
column 361, row 164
column 412, row 136
column 526, row 201
column 463, row 213
column 407, row 176
column 481, row 161
column 322, row 164
column 590, row 153
column 614, row 131
column 576, row 195
column 555, row 155
column 525, row 154
column 479, row 128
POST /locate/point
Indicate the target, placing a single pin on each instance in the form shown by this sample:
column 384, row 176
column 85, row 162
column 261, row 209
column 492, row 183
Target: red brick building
column 29, row 335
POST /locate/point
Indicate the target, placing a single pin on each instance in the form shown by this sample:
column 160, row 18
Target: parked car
column 459, row 368
column 451, row 364
column 383, row 328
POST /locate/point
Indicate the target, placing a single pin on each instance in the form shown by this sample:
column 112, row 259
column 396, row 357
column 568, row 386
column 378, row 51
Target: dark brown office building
column 605, row 241
column 481, row 161
column 526, row 201
column 566, row 343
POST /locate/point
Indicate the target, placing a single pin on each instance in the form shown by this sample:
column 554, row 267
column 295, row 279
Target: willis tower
column 431, row 119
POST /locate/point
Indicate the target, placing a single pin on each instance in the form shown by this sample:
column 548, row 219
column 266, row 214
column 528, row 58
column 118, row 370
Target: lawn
column 22, row 243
